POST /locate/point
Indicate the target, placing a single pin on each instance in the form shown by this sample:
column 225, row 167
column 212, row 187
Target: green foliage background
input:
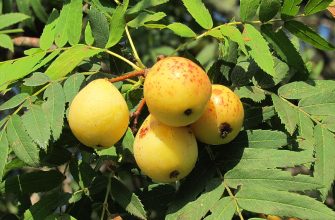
column 267, row 51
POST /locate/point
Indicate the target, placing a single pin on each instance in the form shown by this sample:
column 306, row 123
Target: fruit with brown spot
column 99, row 115
column 223, row 118
column 176, row 91
column 165, row 153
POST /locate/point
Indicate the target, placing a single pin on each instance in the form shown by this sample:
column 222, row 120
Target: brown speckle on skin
column 143, row 132
column 174, row 174
column 225, row 129
column 188, row 112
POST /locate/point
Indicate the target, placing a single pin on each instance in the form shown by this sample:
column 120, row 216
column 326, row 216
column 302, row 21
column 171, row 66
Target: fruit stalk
column 128, row 75
column 137, row 113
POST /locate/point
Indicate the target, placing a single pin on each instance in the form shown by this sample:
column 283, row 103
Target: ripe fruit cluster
column 183, row 107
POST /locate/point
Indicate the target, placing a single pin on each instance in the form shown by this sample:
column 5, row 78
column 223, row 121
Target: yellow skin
column 176, row 91
column 99, row 115
column 223, row 118
column 273, row 217
column 165, row 153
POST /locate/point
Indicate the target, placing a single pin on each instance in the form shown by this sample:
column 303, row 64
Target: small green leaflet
column 4, row 150
column 128, row 140
column 37, row 79
column 141, row 5
column 223, row 209
column 308, row 35
column 235, row 35
column 14, row 101
column 117, row 24
column 37, row 125
column 9, row 19
column 261, row 139
column 305, row 128
column 69, row 59
column 48, row 34
column 268, row 9
column 319, row 104
column 314, row 6
column 274, row 179
column 248, row 9
column 325, row 153
column 68, row 27
column 89, row 39
column 198, row 208
column 145, row 17
column 39, row 10
column 181, row 29
column 127, row 199
column 251, row 92
column 199, row 12
column 6, row 42
column 261, row 200
column 286, row 112
column 54, row 108
column 21, row 143
column 47, row 59
column 290, row 8
column 72, row 86
column 100, row 27
column 259, row 49
column 329, row 122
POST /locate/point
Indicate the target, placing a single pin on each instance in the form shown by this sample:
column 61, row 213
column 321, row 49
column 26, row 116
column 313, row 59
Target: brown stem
column 129, row 75
column 136, row 114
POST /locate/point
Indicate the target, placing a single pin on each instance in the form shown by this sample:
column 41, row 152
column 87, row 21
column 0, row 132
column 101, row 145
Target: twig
column 26, row 41
column 105, row 204
column 128, row 75
column 11, row 31
column 137, row 58
column 136, row 114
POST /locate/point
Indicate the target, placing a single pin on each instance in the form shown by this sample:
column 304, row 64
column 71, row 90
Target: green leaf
column 21, row 143
column 248, row 9
column 37, row 79
column 68, row 60
column 314, row 6
column 68, row 27
column 9, row 19
column 308, row 35
column 256, row 115
column 6, row 42
column 274, row 179
column 89, row 39
column 144, row 4
column 47, row 204
column 100, row 27
column 258, row 158
column 319, row 104
column 128, row 140
column 117, row 24
column 39, row 181
column 287, row 114
column 47, row 59
column 259, row 49
column 13, row 164
column 4, row 150
column 290, row 8
column 127, row 199
column 39, row 10
column 37, row 125
column 325, row 153
column 72, row 86
column 48, row 34
column 198, row 208
column 301, row 90
column 251, row 92
column 261, row 139
column 305, row 129
column 223, row 209
column 268, row 9
column 54, row 108
column 181, row 29
column 235, row 35
column 145, row 17
column 199, row 12
column 13, row 70
column 267, row 201
column 14, row 101
column 329, row 122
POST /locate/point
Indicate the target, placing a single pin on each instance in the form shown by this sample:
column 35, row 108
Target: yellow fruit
column 222, row 119
column 176, row 91
column 165, row 153
column 98, row 115
column 273, row 217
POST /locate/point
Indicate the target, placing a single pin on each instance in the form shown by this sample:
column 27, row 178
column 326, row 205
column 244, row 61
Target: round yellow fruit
column 223, row 118
column 165, row 153
column 176, row 91
column 98, row 114
column 273, row 217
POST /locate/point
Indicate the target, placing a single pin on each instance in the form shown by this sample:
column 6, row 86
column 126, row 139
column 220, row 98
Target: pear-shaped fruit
column 222, row 119
column 98, row 114
column 165, row 153
column 176, row 91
